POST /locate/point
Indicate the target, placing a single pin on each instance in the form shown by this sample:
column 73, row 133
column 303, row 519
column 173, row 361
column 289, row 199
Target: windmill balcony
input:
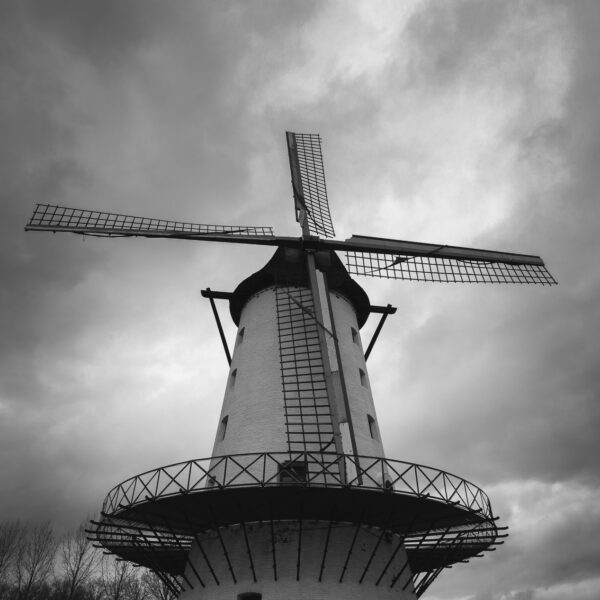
column 303, row 469
column 154, row 518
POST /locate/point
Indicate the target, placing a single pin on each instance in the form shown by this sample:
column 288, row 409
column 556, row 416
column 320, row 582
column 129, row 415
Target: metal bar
column 206, row 560
column 299, row 549
column 358, row 526
column 113, row 521
column 163, row 545
column 428, row 580
column 175, row 538
column 224, row 548
column 363, row 243
column 336, row 404
column 355, row 243
column 219, row 326
column 248, row 549
column 400, row 545
column 201, row 548
column 208, row 293
column 410, row 579
column 188, row 560
column 299, row 203
column 389, row 562
column 326, row 543
column 311, row 314
column 384, row 316
column 143, row 549
column 342, row 380
column 441, row 536
column 417, row 580
column 273, row 544
column 299, row 542
column 383, row 532
column 389, row 309
column 398, row 575
column 165, row 579
column 432, row 574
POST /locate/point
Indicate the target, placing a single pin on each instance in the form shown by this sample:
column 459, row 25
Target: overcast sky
column 474, row 123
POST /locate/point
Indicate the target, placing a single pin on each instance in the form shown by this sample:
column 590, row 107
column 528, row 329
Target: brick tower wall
column 256, row 417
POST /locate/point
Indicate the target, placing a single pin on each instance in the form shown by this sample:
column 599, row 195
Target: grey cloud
column 496, row 384
column 106, row 33
column 452, row 37
column 534, row 412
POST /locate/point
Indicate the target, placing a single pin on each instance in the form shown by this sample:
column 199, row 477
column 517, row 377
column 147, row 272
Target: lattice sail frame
column 104, row 224
column 309, row 156
column 444, row 269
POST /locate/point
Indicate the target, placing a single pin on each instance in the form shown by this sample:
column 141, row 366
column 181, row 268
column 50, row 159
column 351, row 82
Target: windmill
column 298, row 499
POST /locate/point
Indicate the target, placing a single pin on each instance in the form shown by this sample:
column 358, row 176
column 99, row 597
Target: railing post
column 307, row 472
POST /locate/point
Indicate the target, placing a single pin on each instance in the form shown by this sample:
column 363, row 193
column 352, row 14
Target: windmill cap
column 288, row 267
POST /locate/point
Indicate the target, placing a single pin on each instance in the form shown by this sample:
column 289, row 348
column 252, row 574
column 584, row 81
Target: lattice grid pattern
column 307, row 412
column 94, row 222
column 312, row 175
column 445, row 270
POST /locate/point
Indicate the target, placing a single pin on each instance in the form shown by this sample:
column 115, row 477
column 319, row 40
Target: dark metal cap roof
column 287, row 266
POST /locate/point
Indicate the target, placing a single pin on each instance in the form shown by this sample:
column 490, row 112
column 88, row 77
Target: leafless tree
column 33, row 566
column 10, row 534
column 120, row 581
column 136, row 589
column 78, row 559
column 93, row 590
column 34, row 560
column 157, row 589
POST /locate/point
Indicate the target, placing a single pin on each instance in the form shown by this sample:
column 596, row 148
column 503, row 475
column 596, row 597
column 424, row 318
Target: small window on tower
column 372, row 427
column 223, row 431
column 354, row 335
column 232, row 378
column 363, row 378
column 240, row 337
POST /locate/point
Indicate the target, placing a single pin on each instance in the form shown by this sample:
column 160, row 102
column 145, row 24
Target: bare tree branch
column 10, row 534
column 156, row 587
column 120, row 581
column 78, row 559
column 34, row 560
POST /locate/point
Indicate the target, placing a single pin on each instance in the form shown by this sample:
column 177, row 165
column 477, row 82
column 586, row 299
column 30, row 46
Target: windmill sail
column 332, row 471
column 397, row 259
column 47, row 217
column 308, row 182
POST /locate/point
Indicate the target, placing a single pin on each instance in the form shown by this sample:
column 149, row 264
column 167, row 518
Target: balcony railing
column 310, row 470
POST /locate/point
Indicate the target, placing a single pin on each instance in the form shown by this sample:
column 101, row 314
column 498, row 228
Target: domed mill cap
column 288, row 267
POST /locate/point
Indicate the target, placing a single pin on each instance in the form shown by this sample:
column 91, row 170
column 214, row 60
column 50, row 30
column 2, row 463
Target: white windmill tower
column 298, row 500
